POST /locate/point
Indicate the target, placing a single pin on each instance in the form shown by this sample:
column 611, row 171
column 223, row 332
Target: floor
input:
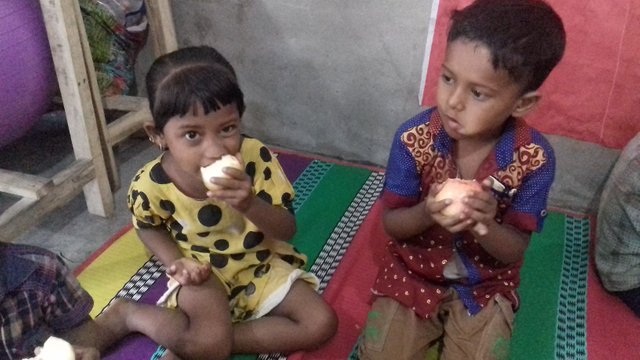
column 71, row 231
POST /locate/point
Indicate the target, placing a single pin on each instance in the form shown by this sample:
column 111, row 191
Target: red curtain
column 594, row 93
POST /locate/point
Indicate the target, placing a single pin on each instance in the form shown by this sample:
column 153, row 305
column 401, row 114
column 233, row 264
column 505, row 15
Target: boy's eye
column 478, row 95
column 191, row 135
column 447, row 79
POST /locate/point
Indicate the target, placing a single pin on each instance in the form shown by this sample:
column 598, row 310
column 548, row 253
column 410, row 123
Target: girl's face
column 196, row 140
column 474, row 100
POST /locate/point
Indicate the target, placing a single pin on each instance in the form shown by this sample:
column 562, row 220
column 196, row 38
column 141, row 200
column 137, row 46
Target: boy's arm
column 504, row 242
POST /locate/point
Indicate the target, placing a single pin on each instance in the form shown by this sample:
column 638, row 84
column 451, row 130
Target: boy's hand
column 434, row 209
column 86, row 353
column 481, row 207
column 188, row 271
column 236, row 190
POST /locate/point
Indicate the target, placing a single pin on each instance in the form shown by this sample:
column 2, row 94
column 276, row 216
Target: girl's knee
column 325, row 324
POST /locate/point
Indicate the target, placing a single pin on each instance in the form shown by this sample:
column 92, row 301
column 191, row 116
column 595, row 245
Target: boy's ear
column 526, row 103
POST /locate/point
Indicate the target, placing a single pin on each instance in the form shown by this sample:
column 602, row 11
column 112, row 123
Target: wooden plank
column 26, row 213
column 161, row 27
column 68, row 57
column 125, row 103
column 126, row 125
column 24, row 185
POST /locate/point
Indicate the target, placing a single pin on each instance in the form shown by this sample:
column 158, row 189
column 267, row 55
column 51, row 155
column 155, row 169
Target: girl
column 259, row 299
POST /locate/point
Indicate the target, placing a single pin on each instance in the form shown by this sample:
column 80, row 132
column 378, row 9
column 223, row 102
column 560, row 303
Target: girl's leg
column 302, row 321
column 199, row 329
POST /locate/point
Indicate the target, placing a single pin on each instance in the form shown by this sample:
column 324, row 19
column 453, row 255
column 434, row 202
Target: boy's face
column 474, row 100
column 197, row 140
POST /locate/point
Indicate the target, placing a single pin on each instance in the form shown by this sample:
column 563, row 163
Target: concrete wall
column 336, row 78
column 327, row 77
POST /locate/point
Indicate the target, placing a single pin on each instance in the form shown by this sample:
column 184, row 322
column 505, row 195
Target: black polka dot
column 250, row 289
column 168, row 206
column 247, row 315
column 252, row 239
column 265, row 196
column 289, row 258
column 261, row 270
column 158, row 175
column 176, row 227
column 265, row 154
column 221, row 244
column 143, row 225
column 209, row 215
column 250, row 169
column 204, row 234
column 200, row 248
column 218, row 260
column 235, row 291
column 139, row 196
column 181, row 237
column 263, row 255
column 267, row 173
column 238, row 256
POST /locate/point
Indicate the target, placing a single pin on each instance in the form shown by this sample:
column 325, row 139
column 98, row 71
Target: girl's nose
column 213, row 149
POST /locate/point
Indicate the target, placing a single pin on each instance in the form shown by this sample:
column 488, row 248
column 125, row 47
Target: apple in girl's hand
column 215, row 170
column 456, row 190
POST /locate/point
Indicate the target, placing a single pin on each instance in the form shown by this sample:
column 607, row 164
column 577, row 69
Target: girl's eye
column 229, row 130
column 191, row 135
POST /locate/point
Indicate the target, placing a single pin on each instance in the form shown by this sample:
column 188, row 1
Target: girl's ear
column 155, row 136
column 526, row 103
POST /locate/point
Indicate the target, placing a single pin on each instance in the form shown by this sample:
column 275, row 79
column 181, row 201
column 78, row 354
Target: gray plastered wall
column 336, row 78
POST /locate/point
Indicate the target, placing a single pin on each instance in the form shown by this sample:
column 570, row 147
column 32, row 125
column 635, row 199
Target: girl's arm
column 185, row 270
column 274, row 221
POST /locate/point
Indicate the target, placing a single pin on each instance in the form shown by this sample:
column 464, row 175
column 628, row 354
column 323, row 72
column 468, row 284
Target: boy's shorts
column 269, row 290
column 395, row 332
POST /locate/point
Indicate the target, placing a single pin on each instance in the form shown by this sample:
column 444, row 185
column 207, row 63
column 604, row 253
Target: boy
column 442, row 279
column 40, row 298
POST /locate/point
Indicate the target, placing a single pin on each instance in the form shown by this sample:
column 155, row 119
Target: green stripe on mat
column 325, row 201
column 324, row 208
column 534, row 334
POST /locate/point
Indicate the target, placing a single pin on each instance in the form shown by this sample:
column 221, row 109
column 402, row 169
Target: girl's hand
column 188, row 271
column 236, row 189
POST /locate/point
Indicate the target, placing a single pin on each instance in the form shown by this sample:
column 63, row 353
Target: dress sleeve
column 270, row 183
column 140, row 201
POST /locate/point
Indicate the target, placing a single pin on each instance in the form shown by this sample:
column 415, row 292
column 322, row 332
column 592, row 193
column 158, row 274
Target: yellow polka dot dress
column 257, row 271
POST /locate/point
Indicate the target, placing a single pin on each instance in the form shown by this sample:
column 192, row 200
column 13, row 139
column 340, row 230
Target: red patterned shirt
column 413, row 270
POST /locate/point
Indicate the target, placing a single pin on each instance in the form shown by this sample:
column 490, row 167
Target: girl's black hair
column 525, row 37
column 179, row 81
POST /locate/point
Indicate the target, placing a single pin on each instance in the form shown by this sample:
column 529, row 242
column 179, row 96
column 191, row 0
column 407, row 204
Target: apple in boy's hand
column 215, row 170
column 55, row 349
column 456, row 190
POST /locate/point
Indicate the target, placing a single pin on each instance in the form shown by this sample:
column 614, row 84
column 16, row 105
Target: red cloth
column 594, row 93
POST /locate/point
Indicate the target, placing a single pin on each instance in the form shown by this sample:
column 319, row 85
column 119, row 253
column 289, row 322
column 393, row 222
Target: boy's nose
column 456, row 99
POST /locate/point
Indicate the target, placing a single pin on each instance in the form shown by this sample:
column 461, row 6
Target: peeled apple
column 456, row 190
column 215, row 170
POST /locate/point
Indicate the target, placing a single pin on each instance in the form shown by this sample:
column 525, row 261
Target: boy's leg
column 394, row 332
column 302, row 321
column 483, row 336
column 199, row 329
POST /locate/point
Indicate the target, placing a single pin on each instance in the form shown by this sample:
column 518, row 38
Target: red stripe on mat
column 100, row 250
column 349, row 289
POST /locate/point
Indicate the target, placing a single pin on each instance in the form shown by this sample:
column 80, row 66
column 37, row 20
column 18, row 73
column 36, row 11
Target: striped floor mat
column 563, row 313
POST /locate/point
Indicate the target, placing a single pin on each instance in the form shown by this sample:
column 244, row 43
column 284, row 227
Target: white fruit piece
column 456, row 189
column 55, row 349
column 215, row 170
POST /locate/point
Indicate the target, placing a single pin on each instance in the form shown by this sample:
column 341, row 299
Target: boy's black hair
column 182, row 79
column 525, row 37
